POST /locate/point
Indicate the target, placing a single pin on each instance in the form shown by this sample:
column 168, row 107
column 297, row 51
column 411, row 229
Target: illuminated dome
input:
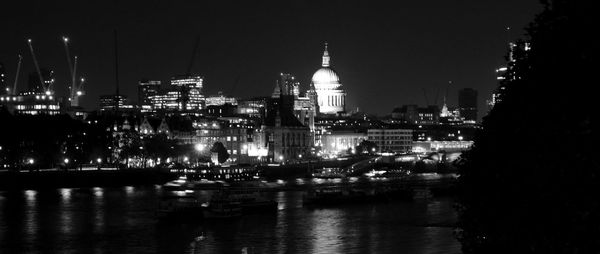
column 331, row 98
column 325, row 75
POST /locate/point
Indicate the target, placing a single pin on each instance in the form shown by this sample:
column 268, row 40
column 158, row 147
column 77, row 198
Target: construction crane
column 37, row 68
column 189, row 69
column 14, row 89
column 75, row 89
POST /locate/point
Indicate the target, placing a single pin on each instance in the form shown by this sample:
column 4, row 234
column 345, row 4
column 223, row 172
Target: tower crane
column 75, row 89
column 37, row 68
column 14, row 88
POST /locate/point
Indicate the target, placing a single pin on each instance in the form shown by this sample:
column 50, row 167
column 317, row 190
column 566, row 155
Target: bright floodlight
column 79, row 93
column 66, row 160
column 99, row 160
column 48, row 92
column 31, row 161
column 199, row 147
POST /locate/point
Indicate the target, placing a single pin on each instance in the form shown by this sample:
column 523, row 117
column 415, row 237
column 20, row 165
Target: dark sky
column 386, row 52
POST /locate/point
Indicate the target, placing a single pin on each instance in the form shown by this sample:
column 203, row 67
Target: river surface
column 122, row 220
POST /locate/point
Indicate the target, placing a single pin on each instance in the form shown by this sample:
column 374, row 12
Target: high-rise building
column 505, row 72
column 4, row 90
column 147, row 89
column 183, row 95
column 467, row 104
column 330, row 94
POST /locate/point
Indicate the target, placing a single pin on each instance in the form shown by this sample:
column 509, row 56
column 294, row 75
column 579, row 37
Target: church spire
column 325, row 57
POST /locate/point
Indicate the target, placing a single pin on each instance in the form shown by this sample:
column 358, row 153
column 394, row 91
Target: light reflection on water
column 122, row 220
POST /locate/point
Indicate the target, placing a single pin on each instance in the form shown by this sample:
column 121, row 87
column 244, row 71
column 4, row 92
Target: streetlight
column 199, row 148
column 31, row 161
column 99, row 160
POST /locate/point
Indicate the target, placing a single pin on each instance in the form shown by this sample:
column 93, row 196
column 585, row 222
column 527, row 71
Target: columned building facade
column 331, row 97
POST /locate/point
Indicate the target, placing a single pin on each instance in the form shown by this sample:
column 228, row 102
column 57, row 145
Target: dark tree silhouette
column 531, row 182
column 221, row 151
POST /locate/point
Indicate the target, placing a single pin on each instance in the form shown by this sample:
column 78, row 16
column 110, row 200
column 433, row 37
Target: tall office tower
column 147, row 89
column 467, row 104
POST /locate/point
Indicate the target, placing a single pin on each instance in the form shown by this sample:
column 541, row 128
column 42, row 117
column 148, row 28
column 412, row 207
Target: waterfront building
column 331, row 97
column 391, row 140
column 439, row 146
column 241, row 138
column 286, row 137
column 341, row 141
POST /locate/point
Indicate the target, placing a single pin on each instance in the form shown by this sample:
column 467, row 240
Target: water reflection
column 122, row 220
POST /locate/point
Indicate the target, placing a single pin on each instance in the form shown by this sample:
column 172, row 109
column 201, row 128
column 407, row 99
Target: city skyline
column 246, row 63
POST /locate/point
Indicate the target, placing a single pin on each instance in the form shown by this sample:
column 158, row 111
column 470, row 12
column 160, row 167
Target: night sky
column 386, row 52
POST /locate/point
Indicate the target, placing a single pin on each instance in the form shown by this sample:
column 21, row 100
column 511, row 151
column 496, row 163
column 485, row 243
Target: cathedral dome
column 325, row 75
column 331, row 98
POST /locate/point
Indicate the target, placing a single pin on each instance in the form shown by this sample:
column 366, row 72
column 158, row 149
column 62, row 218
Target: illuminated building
column 286, row 137
column 183, row 95
column 391, row 140
column 151, row 126
column 414, row 114
column 254, row 107
column 330, row 95
column 438, row 146
column 467, row 104
column 146, row 90
column 37, row 100
column 31, row 104
column 110, row 102
column 243, row 142
column 220, row 99
column 336, row 142
column 506, row 73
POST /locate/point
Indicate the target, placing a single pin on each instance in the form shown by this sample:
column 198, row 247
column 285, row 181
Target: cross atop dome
column 325, row 57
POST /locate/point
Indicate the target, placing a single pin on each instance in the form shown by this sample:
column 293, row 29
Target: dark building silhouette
column 467, row 104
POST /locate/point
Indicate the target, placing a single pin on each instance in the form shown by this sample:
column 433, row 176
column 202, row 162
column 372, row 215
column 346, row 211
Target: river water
column 122, row 220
